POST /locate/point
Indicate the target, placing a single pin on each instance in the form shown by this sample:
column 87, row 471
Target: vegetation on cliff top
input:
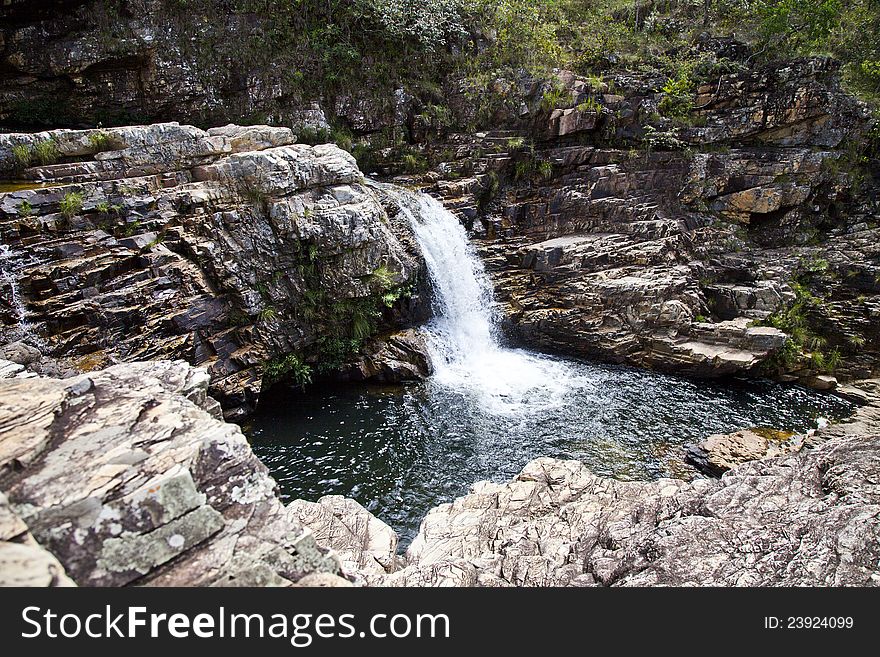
column 327, row 45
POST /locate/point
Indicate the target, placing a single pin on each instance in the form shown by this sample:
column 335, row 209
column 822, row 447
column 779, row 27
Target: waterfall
column 23, row 328
column 463, row 337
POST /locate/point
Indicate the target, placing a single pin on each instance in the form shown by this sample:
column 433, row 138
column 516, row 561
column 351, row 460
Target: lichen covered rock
column 130, row 476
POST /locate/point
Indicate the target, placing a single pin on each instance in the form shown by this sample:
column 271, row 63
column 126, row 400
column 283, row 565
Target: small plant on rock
column 71, row 204
column 384, row 276
column 25, row 209
column 45, row 152
column 22, row 155
column 100, row 142
column 289, row 366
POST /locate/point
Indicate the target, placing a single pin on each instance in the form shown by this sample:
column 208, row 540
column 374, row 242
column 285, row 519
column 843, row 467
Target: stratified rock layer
column 130, row 476
column 607, row 237
column 232, row 248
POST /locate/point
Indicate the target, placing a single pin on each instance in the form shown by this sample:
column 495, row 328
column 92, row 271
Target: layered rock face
column 670, row 259
column 130, row 476
column 233, row 248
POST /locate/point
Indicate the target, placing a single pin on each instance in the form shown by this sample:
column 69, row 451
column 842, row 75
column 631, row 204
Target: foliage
column 288, row 367
column 414, row 163
column 384, row 276
column 44, row 152
column 528, row 165
column 21, row 154
column 677, row 100
column 71, row 204
column 100, row 141
column 794, row 321
column 590, row 106
column 556, row 97
column 798, row 22
column 25, row 209
column 40, row 153
column 527, row 34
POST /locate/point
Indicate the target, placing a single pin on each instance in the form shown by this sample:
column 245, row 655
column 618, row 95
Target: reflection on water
column 402, row 450
column 24, row 185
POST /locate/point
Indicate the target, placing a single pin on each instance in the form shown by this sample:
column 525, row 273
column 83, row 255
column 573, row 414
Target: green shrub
column 25, row 209
column 545, row 169
column 555, row 97
column 100, row 142
column 45, row 152
column 677, row 101
column 414, row 163
column 384, row 276
column 288, row 367
column 590, row 106
column 22, row 156
column 71, row 205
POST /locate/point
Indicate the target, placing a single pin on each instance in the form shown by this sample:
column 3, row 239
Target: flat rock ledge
column 129, row 476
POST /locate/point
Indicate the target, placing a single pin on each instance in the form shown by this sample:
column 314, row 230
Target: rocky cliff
column 234, row 248
column 737, row 235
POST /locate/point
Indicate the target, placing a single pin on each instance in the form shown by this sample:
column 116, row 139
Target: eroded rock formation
column 130, row 476
column 233, row 248
column 608, row 237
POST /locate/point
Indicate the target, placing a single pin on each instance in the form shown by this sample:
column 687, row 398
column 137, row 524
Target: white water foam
column 463, row 336
column 9, row 281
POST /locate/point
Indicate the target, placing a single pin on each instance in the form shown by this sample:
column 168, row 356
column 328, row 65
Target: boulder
column 719, row 453
column 396, row 358
column 147, row 486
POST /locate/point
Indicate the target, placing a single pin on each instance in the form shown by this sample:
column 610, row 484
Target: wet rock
column 400, row 357
column 719, row 453
column 819, row 382
column 20, row 353
column 129, row 476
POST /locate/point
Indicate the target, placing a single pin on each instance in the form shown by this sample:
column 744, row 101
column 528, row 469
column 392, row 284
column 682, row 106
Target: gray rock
column 719, row 453
column 147, row 486
column 364, row 544
column 20, row 353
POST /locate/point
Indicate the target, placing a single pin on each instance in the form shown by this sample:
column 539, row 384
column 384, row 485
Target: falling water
column 463, row 336
column 24, row 330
